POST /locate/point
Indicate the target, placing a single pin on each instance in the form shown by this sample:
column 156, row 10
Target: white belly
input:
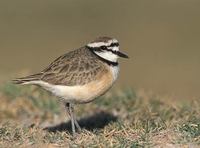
column 84, row 93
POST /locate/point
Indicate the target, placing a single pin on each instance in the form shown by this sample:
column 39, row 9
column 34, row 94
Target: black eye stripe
column 105, row 48
column 102, row 48
column 114, row 44
column 111, row 45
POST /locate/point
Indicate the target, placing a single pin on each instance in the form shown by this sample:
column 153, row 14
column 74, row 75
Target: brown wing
column 77, row 67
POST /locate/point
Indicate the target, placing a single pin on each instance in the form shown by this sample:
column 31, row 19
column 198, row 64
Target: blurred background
column 162, row 39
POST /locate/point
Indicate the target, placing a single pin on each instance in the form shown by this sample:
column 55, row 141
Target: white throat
column 107, row 55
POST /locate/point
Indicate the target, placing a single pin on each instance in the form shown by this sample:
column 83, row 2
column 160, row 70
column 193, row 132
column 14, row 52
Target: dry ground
column 30, row 117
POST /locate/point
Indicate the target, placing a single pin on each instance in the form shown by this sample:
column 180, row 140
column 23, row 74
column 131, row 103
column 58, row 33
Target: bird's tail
column 27, row 79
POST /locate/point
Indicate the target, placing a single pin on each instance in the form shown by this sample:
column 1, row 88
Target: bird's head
column 107, row 48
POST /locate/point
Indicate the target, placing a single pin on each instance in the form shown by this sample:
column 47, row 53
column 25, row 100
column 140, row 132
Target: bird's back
column 77, row 67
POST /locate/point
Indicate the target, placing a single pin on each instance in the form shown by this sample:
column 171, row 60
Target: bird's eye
column 103, row 47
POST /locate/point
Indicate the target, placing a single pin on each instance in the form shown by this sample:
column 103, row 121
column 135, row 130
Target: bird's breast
column 88, row 92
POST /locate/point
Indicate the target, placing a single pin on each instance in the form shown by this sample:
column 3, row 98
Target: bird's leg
column 70, row 110
column 74, row 118
column 76, row 124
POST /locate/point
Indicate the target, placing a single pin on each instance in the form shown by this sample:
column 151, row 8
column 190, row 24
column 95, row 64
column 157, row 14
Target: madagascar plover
column 81, row 75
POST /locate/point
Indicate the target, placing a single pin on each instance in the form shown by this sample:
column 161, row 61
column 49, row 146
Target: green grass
column 124, row 118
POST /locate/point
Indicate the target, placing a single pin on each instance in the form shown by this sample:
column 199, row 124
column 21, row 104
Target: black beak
column 121, row 54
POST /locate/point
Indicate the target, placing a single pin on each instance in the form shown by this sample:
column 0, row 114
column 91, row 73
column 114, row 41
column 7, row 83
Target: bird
column 80, row 75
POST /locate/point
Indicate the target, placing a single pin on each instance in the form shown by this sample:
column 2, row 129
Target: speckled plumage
column 77, row 67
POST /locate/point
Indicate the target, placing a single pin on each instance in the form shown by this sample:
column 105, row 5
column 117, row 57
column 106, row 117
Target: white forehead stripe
column 98, row 44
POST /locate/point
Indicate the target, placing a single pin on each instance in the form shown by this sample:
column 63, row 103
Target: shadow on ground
column 96, row 121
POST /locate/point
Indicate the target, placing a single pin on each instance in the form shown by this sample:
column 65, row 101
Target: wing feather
column 77, row 67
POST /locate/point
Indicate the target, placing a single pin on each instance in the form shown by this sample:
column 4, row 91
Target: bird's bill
column 121, row 54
